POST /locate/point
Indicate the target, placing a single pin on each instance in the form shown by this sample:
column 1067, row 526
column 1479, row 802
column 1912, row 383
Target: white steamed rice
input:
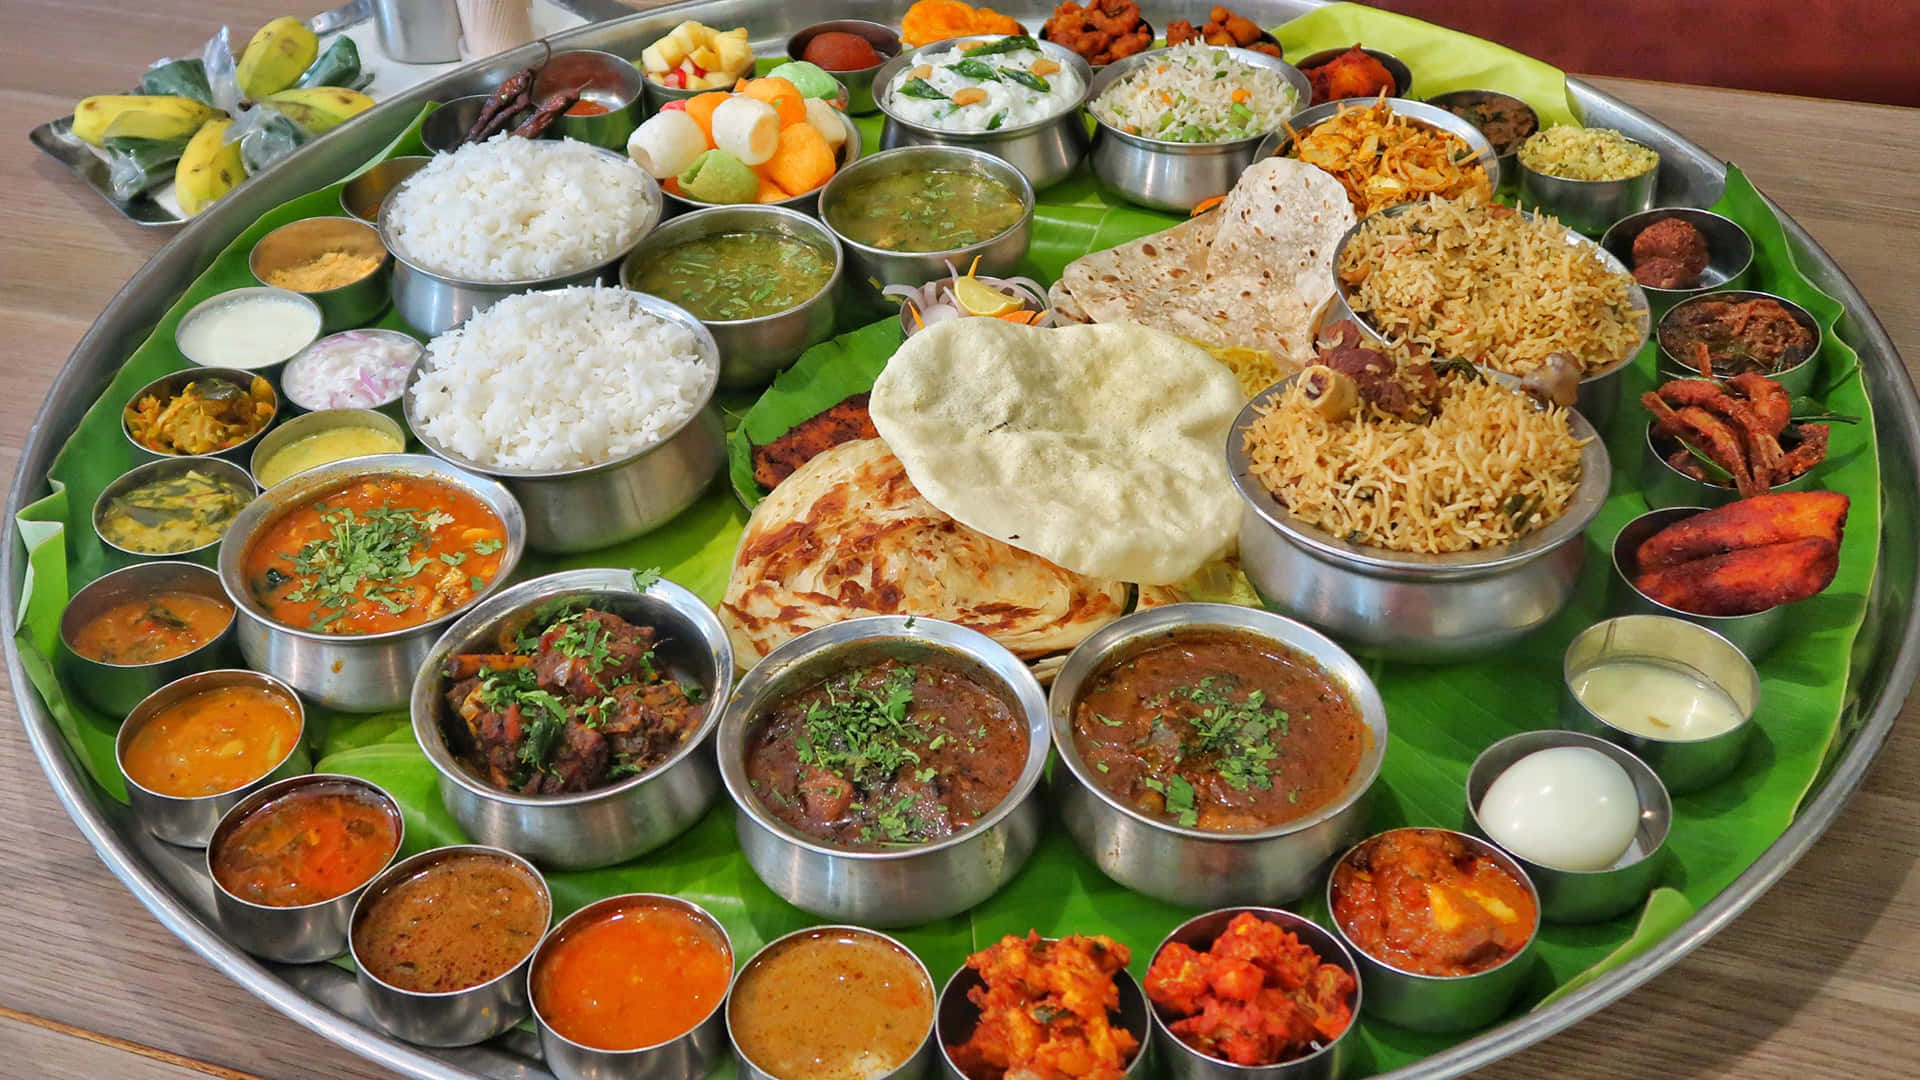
column 512, row 209
column 555, row 380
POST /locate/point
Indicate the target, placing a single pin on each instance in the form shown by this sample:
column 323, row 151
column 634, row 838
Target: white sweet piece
column 1568, row 807
column 747, row 128
column 825, row 119
column 667, row 143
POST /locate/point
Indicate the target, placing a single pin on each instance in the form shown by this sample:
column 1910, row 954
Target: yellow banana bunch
column 274, row 60
column 209, row 168
column 319, row 108
column 93, row 116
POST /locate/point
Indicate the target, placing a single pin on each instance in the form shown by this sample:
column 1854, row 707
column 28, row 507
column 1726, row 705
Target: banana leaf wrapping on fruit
column 135, row 166
column 338, row 65
column 146, row 137
column 185, row 78
column 266, row 135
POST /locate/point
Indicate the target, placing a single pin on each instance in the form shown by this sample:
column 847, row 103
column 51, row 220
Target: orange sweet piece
column 782, row 95
column 803, row 160
column 701, row 107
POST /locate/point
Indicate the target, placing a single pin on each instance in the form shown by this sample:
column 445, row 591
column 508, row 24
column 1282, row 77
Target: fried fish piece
column 1748, row 523
column 1746, row 580
column 842, row 423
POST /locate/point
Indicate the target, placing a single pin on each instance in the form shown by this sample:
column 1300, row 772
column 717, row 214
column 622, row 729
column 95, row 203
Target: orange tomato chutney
column 831, row 1004
column 1432, row 902
column 213, row 741
column 636, row 975
column 584, row 107
column 375, row 554
column 317, row 842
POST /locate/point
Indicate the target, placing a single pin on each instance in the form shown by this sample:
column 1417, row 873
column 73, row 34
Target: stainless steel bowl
column 1187, row 1063
column 361, row 196
column 1509, row 167
column 1438, row 1003
column 895, row 887
column 354, row 304
column 351, row 673
column 1682, row 766
column 1586, row 205
column 190, row 820
column 1582, row 896
column 1396, row 67
column 115, row 689
column 455, row 1017
column 1755, row 634
column 1417, row 113
column 917, row 1065
column 434, row 303
column 1176, row 176
column 306, row 933
column 584, row 509
column 165, row 468
column 606, row 80
column 1195, row 867
column 166, row 386
column 313, row 423
column 446, row 127
column 1798, row 380
column 806, row 203
column 955, row 1017
column 269, row 368
column 859, row 82
column 867, row 265
column 608, row 825
column 1045, row 150
column 390, row 406
column 1407, row 606
column 1664, row 486
column 688, row 1056
column 752, row 351
column 1729, row 250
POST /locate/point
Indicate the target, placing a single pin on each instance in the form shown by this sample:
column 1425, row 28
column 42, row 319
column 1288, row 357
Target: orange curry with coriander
column 1431, row 902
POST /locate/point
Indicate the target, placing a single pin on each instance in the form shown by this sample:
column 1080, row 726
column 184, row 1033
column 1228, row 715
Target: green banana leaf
column 186, row 78
column 1440, row 716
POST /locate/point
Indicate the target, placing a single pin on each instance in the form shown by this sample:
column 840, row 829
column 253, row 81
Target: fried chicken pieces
column 1742, row 425
column 1223, row 28
column 1747, row 556
column 1102, row 31
column 1044, row 1011
column 1352, row 74
column 845, row 422
column 1257, row 996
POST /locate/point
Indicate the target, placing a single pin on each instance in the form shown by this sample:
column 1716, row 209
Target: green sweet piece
column 718, row 177
column 810, row 79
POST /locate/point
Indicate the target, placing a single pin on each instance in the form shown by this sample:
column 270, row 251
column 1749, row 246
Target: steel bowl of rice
column 592, row 404
column 1517, row 293
column 1589, row 178
column 507, row 216
column 1438, row 532
column 1177, row 126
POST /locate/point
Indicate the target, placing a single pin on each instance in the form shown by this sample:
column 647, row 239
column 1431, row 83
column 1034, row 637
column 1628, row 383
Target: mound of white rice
column 512, row 209
column 559, row 380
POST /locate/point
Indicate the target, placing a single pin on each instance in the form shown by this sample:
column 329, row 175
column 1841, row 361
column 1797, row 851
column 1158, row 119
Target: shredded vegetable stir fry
column 1384, row 159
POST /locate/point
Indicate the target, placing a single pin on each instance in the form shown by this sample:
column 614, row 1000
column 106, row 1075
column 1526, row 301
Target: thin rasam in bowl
column 590, row 404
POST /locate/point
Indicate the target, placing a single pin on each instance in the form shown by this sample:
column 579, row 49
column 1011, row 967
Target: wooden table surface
column 1820, row 979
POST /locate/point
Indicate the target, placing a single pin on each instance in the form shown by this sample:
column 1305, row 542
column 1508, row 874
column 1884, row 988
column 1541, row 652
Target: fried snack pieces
column 1044, row 1011
column 1747, row 556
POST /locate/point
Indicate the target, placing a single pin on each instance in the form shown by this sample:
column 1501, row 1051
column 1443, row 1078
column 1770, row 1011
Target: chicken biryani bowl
column 342, row 576
column 886, row 769
column 1230, row 823
column 1417, row 601
column 567, row 716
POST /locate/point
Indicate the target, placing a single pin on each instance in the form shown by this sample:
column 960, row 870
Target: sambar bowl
column 115, row 689
column 342, row 307
column 752, row 351
column 867, row 265
column 1175, row 176
column 1588, row 206
column 1418, row 113
column 309, row 424
column 351, row 673
column 1441, row 1003
column 453, row 1017
column 361, row 196
column 433, row 303
column 917, row 1065
column 859, row 82
column 1754, row 635
column 693, row 1053
column 1798, row 380
column 1185, row 1062
column 1046, row 150
column 168, row 385
column 607, row 825
column 956, row 1016
column 592, row 506
column 899, row 886
column 445, row 128
column 1664, row 486
column 1729, row 250
column 1406, row 605
column 1509, row 169
column 1195, row 867
column 305, row 933
column 189, row 821
column 1683, row 766
column 1582, row 896
column 1396, row 67
column 222, row 469
column 807, row 202
column 603, row 79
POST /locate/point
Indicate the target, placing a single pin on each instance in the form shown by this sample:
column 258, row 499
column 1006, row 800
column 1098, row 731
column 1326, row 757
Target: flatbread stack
column 1254, row 273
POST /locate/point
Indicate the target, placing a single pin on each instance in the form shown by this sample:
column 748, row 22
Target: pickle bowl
column 1754, row 634
column 603, row 80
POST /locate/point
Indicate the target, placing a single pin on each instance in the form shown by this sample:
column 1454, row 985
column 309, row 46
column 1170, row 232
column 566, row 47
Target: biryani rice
column 1470, row 280
column 1490, row 468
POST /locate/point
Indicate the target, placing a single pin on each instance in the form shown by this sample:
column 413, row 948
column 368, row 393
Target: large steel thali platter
column 324, row 998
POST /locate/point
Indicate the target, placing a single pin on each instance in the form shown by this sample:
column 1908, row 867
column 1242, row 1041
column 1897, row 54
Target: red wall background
column 1861, row 50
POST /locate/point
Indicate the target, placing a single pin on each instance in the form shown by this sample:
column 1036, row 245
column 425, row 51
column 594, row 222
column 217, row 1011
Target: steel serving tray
column 324, row 998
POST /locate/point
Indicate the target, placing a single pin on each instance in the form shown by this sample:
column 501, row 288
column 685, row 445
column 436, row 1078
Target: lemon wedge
column 977, row 299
